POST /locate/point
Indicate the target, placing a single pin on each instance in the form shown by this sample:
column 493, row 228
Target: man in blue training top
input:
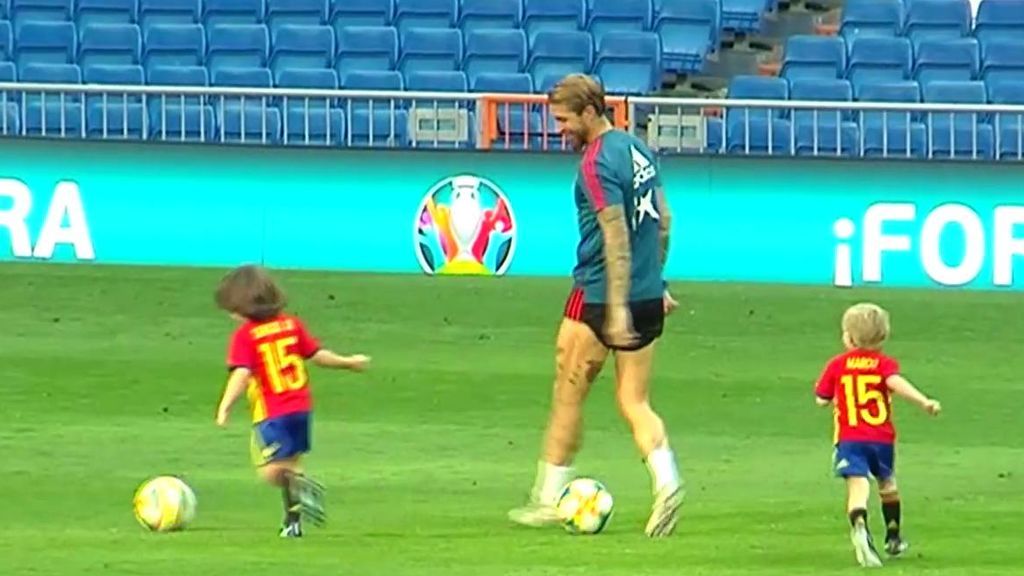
column 618, row 302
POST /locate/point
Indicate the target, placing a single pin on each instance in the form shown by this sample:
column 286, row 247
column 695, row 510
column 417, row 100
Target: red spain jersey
column 855, row 381
column 275, row 352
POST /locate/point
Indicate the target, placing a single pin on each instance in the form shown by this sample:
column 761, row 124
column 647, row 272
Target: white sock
column 662, row 465
column 551, row 479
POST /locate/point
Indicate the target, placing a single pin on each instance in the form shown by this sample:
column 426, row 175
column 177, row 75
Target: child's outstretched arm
column 329, row 359
column 237, row 381
column 902, row 387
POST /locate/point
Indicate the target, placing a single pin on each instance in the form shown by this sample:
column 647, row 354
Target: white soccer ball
column 585, row 506
column 165, row 504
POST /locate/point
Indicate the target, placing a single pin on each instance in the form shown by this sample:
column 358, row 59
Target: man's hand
column 618, row 328
column 669, row 302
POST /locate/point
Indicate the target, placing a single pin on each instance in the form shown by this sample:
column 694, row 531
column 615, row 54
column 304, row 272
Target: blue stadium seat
column 8, row 72
column 110, row 44
column 361, row 13
column 555, row 54
column 814, row 57
column 4, row 10
column 618, row 16
column 689, row 31
column 824, row 132
column 114, row 115
column 170, row 120
column 956, row 59
column 629, row 62
column 45, row 42
column 366, row 49
column 52, row 114
column 937, row 20
column 6, row 40
column 237, row 46
column 430, row 49
column 169, row 12
column 251, row 119
column 892, row 133
column 174, row 45
column 311, row 120
column 862, row 18
column 553, row 15
column 41, row 11
column 999, row 20
column 879, row 59
column 177, row 75
column 217, row 12
column 302, row 46
column 1003, row 60
column 1009, row 128
column 436, row 81
column 377, row 127
column 757, row 130
column 425, row 14
column 301, row 12
column 502, row 82
column 743, row 15
column 10, row 116
column 490, row 15
column 512, row 119
column 490, row 51
column 126, row 74
column 106, row 12
column 960, row 134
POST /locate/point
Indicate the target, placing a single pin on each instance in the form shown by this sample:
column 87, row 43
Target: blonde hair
column 576, row 92
column 867, row 325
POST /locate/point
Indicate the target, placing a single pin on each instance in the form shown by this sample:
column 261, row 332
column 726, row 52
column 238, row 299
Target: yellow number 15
column 860, row 398
column 278, row 357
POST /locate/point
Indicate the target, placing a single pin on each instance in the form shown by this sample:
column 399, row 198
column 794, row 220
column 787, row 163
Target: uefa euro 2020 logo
column 465, row 226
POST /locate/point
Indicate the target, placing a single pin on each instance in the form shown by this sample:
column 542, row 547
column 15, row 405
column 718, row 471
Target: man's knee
column 888, row 490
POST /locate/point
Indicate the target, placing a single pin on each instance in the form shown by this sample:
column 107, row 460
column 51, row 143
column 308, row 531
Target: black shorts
column 648, row 319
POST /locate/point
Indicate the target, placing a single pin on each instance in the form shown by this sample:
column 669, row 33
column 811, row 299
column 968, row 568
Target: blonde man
column 859, row 383
column 618, row 302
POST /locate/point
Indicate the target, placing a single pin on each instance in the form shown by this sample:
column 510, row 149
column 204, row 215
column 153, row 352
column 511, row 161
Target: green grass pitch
column 111, row 375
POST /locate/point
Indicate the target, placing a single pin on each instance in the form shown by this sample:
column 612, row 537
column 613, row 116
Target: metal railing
column 406, row 119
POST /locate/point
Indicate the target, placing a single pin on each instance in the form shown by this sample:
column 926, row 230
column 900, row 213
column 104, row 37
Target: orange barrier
column 495, row 107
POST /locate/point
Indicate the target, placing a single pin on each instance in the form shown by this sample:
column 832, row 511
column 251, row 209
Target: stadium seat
column 956, row 59
column 10, row 115
column 501, row 82
column 296, row 12
column 999, row 20
column 6, row 41
column 863, row 18
column 490, row 51
column 23, row 11
column 169, row 12
column 820, row 132
column 170, row 120
column 490, row 15
column 114, row 115
column 436, row 81
column 1003, row 60
column 301, row 46
column 430, row 49
column 757, row 130
column 130, row 75
column 110, row 44
column 960, row 134
column 178, row 76
column 366, row 49
column 216, row 12
column 441, row 14
column 879, row 59
column 174, row 45
column 937, row 20
column 237, row 46
column 52, row 114
column 553, row 15
column 555, row 54
column 629, row 62
column 1009, row 128
column 617, row 16
column 105, row 12
column 743, row 15
column 310, row 120
column 892, row 133
column 45, row 42
column 379, row 126
column 814, row 57
column 689, row 31
column 250, row 119
column 8, row 72
column 361, row 13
